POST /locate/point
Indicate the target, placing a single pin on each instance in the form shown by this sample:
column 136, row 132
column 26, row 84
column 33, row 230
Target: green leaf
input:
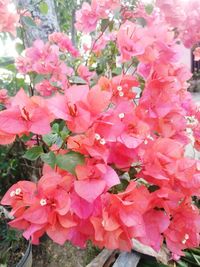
column 69, row 161
column 182, row 263
column 33, row 153
column 55, row 128
column 49, row 158
column 26, row 138
column 149, row 9
column 50, row 139
column 77, row 80
column 28, row 21
column 38, row 78
column 19, row 47
column 43, row 8
column 117, row 71
column 141, row 21
column 104, row 24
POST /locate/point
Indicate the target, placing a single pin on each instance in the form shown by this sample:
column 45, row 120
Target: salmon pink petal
column 82, row 208
column 19, row 223
column 58, row 106
column 89, row 189
column 32, row 230
column 57, row 233
column 131, row 218
column 36, row 215
column 67, row 221
column 21, row 99
column 6, row 139
column 98, row 100
column 40, row 122
column 11, row 121
column 110, row 177
column 77, row 93
column 130, row 141
column 63, row 202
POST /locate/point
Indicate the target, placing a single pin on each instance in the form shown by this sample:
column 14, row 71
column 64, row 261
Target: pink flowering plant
column 110, row 120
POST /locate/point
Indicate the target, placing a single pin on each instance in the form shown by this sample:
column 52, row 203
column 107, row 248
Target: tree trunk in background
column 73, row 29
column 48, row 24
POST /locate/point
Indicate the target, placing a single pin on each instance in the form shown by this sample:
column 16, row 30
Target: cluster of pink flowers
column 44, row 59
column 89, row 15
column 184, row 16
column 119, row 137
column 8, row 18
column 64, row 43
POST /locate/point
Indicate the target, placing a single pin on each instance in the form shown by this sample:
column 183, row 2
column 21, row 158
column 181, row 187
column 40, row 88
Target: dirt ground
column 49, row 254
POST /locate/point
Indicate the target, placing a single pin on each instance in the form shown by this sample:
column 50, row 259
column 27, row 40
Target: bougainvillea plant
column 111, row 121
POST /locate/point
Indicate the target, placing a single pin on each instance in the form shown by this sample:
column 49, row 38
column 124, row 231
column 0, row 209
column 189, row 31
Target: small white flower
column 97, row 136
column 12, row 193
column 43, row 202
column 187, row 236
column 121, row 115
column 119, row 88
column 150, row 137
column 18, row 191
column 102, row 141
column 145, row 142
column 121, row 94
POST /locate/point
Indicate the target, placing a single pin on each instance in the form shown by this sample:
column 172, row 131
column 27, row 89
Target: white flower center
column 43, row 202
column 150, row 137
column 119, row 88
column 121, row 94
column 12, row 193
column 186, row 237
column 97, row 136
column 18, row 191
column 121, row 115
column 102, row 141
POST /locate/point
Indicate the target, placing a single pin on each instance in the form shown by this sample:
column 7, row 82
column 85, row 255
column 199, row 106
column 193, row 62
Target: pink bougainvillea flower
column 122, row 87
column 183, row 231
column 19, row 196
column 158, row 159
column 86, row 18
column 84, row 73
column 129, row 40
column 25, row 115
column 72, row 108
column 51, row 204
column 98, row 176
column 64, row 43
column 80, row 106
column 156, row 222
column 9, row 19
column 44, row 88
